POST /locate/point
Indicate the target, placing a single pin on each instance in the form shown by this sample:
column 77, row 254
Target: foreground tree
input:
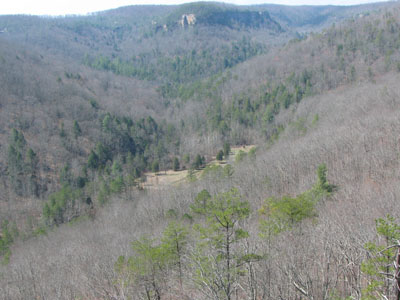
column 145, row 270
column 217, row 259
column 284, row 213
column 174, row 242
column 382, row 267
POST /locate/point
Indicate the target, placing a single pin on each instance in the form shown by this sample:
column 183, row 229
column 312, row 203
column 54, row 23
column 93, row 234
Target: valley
column 201, row 151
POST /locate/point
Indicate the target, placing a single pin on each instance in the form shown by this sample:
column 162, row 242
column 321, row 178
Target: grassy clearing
column 170, row 177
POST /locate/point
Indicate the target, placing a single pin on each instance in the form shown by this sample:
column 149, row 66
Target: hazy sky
column 62, row 7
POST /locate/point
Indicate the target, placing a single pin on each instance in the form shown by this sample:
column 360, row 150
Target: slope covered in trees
column 105, row 127
column 358, row 143
column 82, row 120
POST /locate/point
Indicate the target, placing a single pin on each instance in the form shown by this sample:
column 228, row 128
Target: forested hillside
column 91, row 105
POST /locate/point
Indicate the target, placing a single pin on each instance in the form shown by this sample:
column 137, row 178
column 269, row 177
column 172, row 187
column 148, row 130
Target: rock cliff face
column 187, row 20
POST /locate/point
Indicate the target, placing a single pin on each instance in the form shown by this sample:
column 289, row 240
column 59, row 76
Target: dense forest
column 201, row 151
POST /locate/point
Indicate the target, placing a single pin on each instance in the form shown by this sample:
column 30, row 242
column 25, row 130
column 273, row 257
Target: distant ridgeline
column 220, row 15
column 220, row 40
column 237, row 18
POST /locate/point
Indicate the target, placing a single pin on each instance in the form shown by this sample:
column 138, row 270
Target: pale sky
column 64, row 7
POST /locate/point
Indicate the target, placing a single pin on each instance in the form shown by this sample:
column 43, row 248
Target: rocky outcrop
column 187, row 20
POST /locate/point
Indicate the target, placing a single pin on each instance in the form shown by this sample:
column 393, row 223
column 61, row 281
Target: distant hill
column 216, row 14
column 314, row 17
column 145, row 41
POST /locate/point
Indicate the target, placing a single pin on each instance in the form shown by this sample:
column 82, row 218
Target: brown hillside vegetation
column 241, row 105
column 39, row 106
column 356, row 135
column 96, row 112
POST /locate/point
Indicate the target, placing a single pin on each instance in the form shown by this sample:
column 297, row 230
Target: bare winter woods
column 356, row 136
column 89, row 110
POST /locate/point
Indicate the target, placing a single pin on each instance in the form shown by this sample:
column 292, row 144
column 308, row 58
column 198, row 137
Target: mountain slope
column 356, row 136
column 193, row 109
column 78, row 133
